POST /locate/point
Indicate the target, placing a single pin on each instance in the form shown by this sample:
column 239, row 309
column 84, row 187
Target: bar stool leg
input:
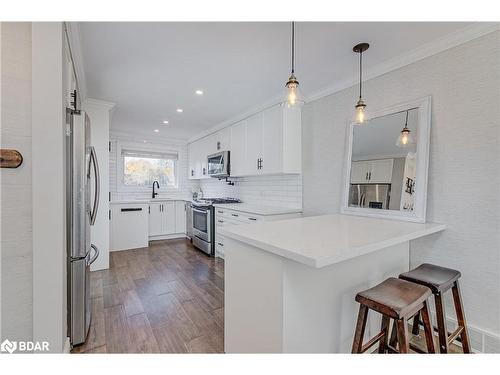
column 459, row 309
column 428, row 329
column 382, row 348
column 393, row 342
column 402, row 327
column 416, row 322
column 357, row 343
column 441, row 323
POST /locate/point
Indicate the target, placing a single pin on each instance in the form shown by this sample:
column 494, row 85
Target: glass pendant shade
column 405, row 138
column 360, row 114
column 293, row 94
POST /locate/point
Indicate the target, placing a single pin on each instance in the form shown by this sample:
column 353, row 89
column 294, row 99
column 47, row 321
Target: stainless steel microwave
column 218, row 164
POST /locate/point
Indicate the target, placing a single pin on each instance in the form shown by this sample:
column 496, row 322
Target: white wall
column 99, row 114
column 185, row 185
column 279, row 191
column 463, row 173
column 49, row 93
column 16, row 276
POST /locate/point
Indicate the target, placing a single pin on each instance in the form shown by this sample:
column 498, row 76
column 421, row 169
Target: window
column 141, row 168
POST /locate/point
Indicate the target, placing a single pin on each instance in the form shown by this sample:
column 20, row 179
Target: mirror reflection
column 383, row 163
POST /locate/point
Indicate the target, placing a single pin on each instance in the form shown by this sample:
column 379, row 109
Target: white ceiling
column 377, row 139
column 150, row 69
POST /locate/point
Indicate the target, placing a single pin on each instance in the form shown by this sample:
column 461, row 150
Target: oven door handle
column 200, row 211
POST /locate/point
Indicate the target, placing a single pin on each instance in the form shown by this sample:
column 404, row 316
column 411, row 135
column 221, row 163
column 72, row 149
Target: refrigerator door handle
column 96, row 254
column 97, row 181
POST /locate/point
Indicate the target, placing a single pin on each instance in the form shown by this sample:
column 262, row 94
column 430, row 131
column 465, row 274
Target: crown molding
column 110, row 106
column 75, row 45
column 153, row 139
column 439, row 45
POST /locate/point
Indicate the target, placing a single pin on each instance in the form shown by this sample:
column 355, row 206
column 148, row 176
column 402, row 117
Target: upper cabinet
column 266, row 143
column 372, row 171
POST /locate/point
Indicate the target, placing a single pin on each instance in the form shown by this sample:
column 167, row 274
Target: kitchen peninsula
column 290, row 284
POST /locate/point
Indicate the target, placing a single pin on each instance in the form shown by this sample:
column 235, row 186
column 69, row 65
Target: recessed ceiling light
column 145, row 141
column 165, row 121
column 199, row 92
column 180, row 110
column 157, row 130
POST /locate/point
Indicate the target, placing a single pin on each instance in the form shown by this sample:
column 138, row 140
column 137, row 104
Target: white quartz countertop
column 145, row 201
column 320, row 241
column 259, row 209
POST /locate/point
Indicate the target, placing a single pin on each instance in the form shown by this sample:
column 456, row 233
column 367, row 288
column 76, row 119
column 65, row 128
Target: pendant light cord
column 406, row 122
column 360, row 72
column 293, row 47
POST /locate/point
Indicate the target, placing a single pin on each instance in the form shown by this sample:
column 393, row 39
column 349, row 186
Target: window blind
column 150, row 154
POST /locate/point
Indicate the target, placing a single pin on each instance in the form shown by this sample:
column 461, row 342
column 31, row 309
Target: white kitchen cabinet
column 222, row 140
column 155, row 219
column 225, row 217
column 238, row 148
column 267, row 143
column 273, row 143
column 180, row 217
column 166, row 219
column 128, row 226
column 360, row 171
column 381, row 171
column 372, row 171
column 254, row 141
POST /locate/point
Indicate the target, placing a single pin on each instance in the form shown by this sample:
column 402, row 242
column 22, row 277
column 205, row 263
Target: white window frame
column 153, row 148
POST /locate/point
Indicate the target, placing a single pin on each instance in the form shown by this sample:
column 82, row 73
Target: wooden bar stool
column 395, row 299
column 440, row 280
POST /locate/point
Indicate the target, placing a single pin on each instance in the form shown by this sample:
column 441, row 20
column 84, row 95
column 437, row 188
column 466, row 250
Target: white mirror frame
column 423, row 106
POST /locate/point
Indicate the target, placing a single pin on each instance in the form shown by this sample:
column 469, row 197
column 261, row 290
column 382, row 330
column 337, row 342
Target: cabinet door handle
column 220, row 221
column 369, row 175
column 258, row 165
column 252, row 218
column 149, row 209
column 220, row 244
column 221, row 212
column 235, row 215
column 261, row 163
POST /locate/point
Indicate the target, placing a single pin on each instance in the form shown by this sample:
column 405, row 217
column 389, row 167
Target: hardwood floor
column 166, row 298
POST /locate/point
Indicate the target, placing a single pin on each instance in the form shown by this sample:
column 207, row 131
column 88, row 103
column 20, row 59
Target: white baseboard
column 481, row 341
column 167, row 237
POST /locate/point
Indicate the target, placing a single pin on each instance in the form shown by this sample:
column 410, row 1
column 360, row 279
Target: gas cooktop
column 217, row 200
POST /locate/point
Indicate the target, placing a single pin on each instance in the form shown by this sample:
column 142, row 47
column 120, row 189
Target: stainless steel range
column 203, row 219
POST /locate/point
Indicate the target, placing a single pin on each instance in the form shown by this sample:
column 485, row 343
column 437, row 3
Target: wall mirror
column 387, row 163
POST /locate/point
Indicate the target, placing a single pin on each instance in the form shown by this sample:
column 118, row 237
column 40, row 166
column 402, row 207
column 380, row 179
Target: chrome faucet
column 158, row 186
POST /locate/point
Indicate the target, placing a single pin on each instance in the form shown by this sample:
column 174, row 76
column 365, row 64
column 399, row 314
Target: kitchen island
column 290, row 284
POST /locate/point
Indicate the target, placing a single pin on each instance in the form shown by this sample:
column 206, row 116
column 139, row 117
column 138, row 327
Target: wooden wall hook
column 10, row 158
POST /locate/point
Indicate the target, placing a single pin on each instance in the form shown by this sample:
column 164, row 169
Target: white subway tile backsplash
column 279, row 190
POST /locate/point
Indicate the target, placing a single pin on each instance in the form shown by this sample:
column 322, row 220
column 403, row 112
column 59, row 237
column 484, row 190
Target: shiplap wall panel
column 16, row 184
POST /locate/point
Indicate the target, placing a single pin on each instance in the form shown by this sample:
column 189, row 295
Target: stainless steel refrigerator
column 370, row 195
column 82, row 201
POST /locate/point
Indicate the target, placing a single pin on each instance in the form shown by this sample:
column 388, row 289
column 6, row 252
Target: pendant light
column 360, row 116
column 293, row 95
column 405, row 138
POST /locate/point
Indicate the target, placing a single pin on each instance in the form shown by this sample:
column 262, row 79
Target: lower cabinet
column 167, row 218
column 225, row 217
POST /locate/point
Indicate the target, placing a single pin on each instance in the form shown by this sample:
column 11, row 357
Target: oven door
column 201, row 223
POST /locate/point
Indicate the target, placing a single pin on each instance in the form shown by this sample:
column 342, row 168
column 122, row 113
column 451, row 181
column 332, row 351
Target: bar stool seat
column 395, row 299
column 437, row 278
